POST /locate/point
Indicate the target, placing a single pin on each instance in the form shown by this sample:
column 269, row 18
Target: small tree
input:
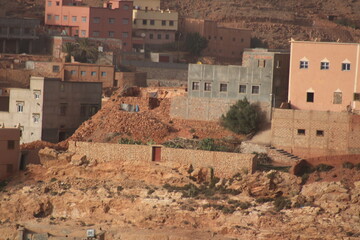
column 242, row 117
column 69, row 48
column 195, row 43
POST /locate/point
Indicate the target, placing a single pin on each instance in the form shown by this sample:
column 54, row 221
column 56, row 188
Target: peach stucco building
column 71, row 17
column 10, row 152
column 324, row 76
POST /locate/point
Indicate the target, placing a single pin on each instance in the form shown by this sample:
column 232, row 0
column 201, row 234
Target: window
column 93, row 73
column 37, row 94
column 209, row 37
column 96, row 33
column 320, row 133
column 152, row 22
column 324, row 65
column 234, row 39
column 73, row 72
column 135, row 21
column 126, row 7
column 151, row 36
column 163, row 23
column 63, row 108
column 49, row 17
column 221, row 38
column 195, row 86
column 242, row 89
column 345, row 67
column 103, row 74
column 337, row 98
column 125, row 21
column 49, row 3
column 242, row 40
column 83, row 19
column 36, row 117
column 96, row 20
column 111, row 20
column 301, row 131
column 57, row 3
column 83, row 73
column 223, row 87
column 57, row 17
column 93, row 109
column 304, row 64
column 83, row 33
column 20, row 106
column 309, row 97
column 167, row 36
column 124, row 44
column 125, row 34
column 159, row 36
column 144, row 21
column 74, row 18
column 255, row 89
column 65, row 18
column 207, row 87
column 261, row 63
column 356, row 96
column 278, row 64
column 56, row 68
column 111, row 34
column 10, row 144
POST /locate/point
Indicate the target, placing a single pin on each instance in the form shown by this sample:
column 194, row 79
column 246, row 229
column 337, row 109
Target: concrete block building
column 154, row 25
column 17, row 35
column 324, row 76
column 50, row 110
column 223, row 42
column 10, row 152
column 73, row 18
column 212, row 89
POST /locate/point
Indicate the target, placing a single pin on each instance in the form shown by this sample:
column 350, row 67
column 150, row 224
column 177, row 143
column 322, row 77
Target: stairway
column 280, row 155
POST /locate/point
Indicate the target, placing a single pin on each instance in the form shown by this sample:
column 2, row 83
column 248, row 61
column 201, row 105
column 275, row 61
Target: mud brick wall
column 224, row 164
column 341, row 132
column 164, row 73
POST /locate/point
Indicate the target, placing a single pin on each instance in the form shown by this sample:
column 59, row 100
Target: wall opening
column 156, row 154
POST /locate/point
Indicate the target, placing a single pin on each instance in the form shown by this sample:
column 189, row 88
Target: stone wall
column 315, row 133
column 225, row 164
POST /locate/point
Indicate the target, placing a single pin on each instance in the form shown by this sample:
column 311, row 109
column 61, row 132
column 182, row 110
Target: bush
column 323, row 168
column 130, row 141
column 242, row 118
column 282, row 203
column 195, row 43
column 348, row 165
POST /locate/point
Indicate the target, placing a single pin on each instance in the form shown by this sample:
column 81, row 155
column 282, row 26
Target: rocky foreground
column 156, row 202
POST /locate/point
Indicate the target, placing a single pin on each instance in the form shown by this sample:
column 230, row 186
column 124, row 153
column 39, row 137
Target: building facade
column 10, row 152
column 324, row 76
column 223, row 42
column 72, row 18
column 50, row 110
column 212, row 89
column 17, row 35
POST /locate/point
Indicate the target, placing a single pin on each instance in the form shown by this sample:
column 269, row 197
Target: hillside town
column 139, row 119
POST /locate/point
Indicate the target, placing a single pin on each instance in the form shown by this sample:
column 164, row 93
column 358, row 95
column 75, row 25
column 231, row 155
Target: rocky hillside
column 67, row 195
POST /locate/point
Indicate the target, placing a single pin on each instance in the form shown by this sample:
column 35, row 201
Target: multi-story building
column 223, row 42
column 50, row 110
column 155, row 26
column 212, row 89
column 17, row 34
column 71, row 17
column 10, row 152
column 324, row 76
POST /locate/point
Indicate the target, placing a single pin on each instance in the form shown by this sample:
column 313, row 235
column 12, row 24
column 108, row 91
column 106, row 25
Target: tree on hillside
column 82, row 50
column 195, row 43
column 242, row 117
column 69, row 48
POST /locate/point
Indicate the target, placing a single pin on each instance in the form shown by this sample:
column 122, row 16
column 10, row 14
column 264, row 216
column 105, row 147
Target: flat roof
column 316, row 42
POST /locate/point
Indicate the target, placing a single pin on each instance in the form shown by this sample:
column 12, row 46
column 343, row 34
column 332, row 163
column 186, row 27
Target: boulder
column 78, row 159
column 47, row 154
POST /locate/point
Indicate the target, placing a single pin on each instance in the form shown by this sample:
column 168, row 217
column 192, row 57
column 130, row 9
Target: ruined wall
column 224, row 164
column 205, row 109
column 315, row 133
column 130, row 79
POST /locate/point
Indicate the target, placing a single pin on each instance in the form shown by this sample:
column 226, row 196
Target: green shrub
column 130, row 141
column 195, row 43
column 242, row 117
column 348, row 165
column 282, row 203
column 304, row 178
column 264, row 200
column 323, row 168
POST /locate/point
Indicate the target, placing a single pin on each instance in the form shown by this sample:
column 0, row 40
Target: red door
column 156, row 154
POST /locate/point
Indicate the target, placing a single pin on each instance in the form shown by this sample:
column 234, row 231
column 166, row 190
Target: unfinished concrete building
column 212, row 89
column 50, row 110
column 17, row 34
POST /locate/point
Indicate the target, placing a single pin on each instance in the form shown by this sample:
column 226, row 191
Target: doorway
column 156, row 154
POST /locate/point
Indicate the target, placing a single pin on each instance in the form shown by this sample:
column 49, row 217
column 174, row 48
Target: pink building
column 10, row 152
column 113, row 20
column 324, row 76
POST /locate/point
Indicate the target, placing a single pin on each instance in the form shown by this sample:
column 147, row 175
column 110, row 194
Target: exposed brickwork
column 224, row 164
column 339, row 135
